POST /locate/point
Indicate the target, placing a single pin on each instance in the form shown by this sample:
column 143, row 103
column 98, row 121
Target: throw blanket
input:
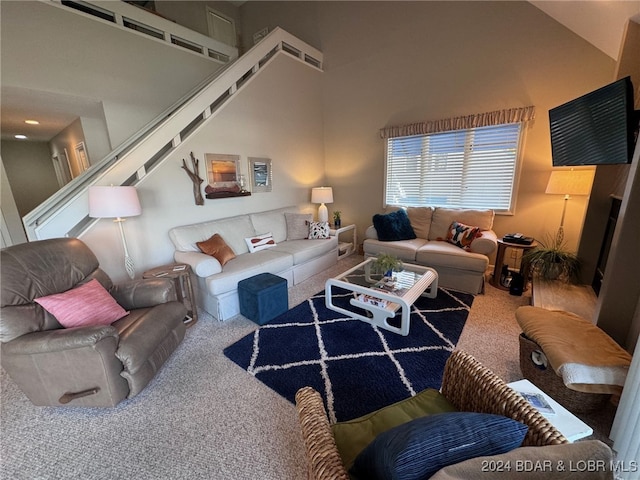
column 587, row 359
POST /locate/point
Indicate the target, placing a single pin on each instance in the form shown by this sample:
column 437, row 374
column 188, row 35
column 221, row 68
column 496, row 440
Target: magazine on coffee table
column 539, row 402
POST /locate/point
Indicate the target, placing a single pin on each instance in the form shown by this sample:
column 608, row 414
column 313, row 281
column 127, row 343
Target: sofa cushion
column 420, row 218
column 354, row 435
column 272, row 221
column 557, row 458
column 297, row 225
column 304, row 250
column 248, row 265
column 462, row 235
column 443, row 217
column 443, row 254
column 405, row 250
column 419, row 448
column 87, row 305
column 217, row 248
column 233, row 229
column 393, row 226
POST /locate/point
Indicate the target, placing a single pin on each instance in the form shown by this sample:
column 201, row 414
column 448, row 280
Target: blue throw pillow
column 393, row 226
column 421, row 447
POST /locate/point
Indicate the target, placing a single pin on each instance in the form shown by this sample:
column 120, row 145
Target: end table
column 502, row 248
column 180, row 273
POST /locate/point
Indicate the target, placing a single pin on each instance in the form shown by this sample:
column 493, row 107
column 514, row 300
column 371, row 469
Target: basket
column 549, row 382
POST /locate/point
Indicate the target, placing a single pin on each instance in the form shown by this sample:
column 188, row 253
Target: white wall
column 277, row 116
column 21, row 160
column 391, row 63
column 45, row 48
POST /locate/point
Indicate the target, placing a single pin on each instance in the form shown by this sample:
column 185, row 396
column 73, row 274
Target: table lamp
column 116, row 202
column 322, row 195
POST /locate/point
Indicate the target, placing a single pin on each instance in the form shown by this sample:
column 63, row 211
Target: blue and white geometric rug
column 356, row 367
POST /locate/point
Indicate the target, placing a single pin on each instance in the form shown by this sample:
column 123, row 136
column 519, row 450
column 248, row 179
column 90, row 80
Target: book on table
column 539, row 402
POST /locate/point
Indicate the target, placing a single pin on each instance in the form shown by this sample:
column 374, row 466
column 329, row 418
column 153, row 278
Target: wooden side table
column 180, row 273
column 502, row 248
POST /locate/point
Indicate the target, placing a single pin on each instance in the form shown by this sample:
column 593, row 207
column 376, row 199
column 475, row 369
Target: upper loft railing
column 136, row 20
column 65, row 214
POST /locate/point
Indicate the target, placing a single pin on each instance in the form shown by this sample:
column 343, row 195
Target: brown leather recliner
column 95, row 366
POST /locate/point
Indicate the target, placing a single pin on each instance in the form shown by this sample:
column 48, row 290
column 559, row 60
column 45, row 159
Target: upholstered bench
column 263, row 297
column 570, row 358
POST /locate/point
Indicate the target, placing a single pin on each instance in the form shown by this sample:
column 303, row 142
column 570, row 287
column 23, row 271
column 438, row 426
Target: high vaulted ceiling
column 600, row 22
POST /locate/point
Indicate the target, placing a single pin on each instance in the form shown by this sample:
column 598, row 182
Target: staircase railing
column 66, row 212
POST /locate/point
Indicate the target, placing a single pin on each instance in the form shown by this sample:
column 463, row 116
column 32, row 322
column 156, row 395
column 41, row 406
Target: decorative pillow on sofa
column 462, row 235
column 297, row 225
column 318, row 230
column 260, row 242
column 217, row 248
column 87, row 305
column 421, row 447
column 393, row 226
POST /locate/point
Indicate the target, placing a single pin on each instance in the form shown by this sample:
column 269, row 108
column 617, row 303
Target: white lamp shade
column 570, row 182
column 322, row 195
column 113, row 202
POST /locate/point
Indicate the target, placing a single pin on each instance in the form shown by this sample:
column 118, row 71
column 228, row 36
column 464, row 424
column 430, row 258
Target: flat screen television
column 595, row 129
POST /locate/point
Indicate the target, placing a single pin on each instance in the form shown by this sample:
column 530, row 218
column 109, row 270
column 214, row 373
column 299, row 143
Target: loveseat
column 458, row 251
column 280, row 244
column 467, row 386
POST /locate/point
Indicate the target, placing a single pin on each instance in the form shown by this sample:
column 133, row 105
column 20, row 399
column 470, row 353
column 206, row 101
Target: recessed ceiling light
column 21, row 137
column 32, row 122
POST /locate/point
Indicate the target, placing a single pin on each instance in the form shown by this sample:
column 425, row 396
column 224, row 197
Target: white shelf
column 345, row 248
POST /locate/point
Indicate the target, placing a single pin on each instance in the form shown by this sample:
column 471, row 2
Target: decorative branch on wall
column 195, row 178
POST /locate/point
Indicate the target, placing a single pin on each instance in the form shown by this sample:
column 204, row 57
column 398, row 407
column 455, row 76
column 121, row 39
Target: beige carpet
column 203, row 417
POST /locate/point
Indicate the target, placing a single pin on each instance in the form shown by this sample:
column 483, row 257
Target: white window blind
column 470, row 168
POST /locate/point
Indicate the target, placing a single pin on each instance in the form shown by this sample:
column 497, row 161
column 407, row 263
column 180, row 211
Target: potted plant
column 386, row 264
column 551, row 261
column 336, row 219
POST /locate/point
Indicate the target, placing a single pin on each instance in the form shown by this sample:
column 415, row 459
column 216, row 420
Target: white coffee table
column 383, row 302
column 566, row 422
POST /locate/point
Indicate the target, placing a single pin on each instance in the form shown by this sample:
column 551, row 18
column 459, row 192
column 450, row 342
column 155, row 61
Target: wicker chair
column 466, row 383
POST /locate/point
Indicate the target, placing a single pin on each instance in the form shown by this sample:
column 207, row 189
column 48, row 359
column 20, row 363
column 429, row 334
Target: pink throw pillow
column 83, row 306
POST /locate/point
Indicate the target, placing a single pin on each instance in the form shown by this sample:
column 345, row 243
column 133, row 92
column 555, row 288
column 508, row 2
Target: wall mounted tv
column 595, row 129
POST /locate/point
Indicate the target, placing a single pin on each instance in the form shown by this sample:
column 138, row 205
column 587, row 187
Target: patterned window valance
column 511, row 115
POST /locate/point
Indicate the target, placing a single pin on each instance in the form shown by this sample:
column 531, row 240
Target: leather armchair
column 95, row 366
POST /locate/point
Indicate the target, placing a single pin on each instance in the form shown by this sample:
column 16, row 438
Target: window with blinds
column 472, row 168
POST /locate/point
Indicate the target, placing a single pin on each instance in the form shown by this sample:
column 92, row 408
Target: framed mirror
column 260, row 174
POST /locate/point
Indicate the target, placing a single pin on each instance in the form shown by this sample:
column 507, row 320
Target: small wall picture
column 223, row 175
column 260, row 172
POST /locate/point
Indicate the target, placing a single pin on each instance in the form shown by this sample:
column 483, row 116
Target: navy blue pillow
column 393, row 226
column 419, row 448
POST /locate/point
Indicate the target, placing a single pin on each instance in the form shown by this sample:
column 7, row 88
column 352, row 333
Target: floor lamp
column 117, row 203
column 567, row 183
column 322, row 195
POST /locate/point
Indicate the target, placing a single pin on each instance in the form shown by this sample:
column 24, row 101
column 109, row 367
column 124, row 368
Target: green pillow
column 354, row 435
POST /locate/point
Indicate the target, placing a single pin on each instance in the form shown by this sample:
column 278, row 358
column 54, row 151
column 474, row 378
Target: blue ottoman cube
column 263, row 297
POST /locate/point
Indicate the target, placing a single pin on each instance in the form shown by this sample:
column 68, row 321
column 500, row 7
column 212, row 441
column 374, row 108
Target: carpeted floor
column 204, row 418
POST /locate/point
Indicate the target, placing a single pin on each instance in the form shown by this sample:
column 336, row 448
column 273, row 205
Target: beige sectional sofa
column 458, row 268
column 292, row 258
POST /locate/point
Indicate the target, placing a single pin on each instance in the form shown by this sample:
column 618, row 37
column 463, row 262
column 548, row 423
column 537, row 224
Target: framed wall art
column 260, row 174
column 223, row 175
